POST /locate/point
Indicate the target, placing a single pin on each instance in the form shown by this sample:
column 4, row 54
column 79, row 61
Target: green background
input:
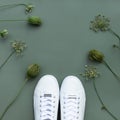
column 60, row 46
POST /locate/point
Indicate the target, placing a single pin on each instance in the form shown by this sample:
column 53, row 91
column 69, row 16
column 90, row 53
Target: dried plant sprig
column 28, row 7
column 34, row 70
column 17, row 47
column 4, row 33
column 102, row 23
column 97, row 56
column 32, row 20
column 91, row 73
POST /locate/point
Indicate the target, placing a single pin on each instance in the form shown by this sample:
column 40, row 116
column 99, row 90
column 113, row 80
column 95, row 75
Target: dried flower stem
column 115, row 34
column 15, row 4
column 1, row 66
column 106, row 64
column 11, row 20
column 102, row 103
column 9, row 105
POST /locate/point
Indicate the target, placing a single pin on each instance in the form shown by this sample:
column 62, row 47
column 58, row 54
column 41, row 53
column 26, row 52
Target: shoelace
column 47, row 108
column 71, row 108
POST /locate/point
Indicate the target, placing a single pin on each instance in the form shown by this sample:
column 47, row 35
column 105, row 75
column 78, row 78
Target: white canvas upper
column 72, row 99
column 46, row 98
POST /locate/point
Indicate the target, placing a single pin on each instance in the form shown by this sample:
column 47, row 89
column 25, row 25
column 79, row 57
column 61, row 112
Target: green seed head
column 34, row 20
column 33, row 71
column 95, row 55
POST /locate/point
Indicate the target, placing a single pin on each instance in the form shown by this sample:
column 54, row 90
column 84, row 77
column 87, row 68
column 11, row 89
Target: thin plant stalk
column 10, row 20
column 15, row 4
column 102, row 103
column 115, row 34
column 15, row 98
column 6, row 60
column 106, row 64
column 32, row 20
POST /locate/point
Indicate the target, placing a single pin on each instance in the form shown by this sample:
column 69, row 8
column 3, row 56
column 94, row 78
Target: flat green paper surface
column 60, row 46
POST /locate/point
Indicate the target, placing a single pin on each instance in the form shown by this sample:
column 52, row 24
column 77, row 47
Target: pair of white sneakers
column 46, row 99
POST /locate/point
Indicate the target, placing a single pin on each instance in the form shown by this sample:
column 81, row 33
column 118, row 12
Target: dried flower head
column 34, row 20
column 18, row 46
column 90, row 72
column 33, row 71
column 95, row 55
column 100, row 23
column 29, row 8
column 4, row 33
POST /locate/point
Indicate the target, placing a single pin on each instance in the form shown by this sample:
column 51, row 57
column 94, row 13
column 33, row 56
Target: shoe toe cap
column 72, row 83
column 47, row 83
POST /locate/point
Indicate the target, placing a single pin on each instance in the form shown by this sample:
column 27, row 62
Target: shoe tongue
column 47, row 95
column 71, row 97
column 71, row 93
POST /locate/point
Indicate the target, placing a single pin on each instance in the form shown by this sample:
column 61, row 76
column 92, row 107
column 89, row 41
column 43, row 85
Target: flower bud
column 29, row 8
column 34, row 20
column 33, row 71
column 95, row 55
column 4, row 33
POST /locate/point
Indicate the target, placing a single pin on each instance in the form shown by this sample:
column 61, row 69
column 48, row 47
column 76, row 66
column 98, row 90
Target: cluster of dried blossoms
column 90, row 72
column 100, row 23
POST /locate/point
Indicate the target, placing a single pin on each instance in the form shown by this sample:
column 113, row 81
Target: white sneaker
column 46, row 97
column 72, row 99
